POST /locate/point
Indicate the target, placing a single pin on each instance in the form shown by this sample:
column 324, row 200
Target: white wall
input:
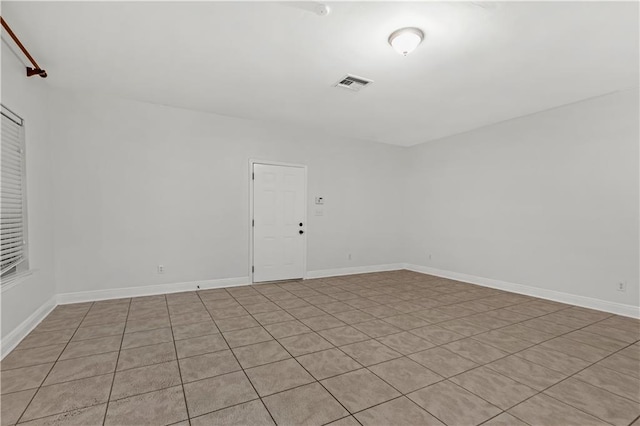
column 548, row 200
column 28, row 98
column 137, row 185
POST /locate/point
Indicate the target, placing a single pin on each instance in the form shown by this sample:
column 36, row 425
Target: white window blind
column 12, row 193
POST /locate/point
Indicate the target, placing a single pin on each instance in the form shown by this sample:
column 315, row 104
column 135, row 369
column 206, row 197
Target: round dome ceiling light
column 405, row 40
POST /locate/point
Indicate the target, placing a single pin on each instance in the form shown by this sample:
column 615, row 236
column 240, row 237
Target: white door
column 279, row 223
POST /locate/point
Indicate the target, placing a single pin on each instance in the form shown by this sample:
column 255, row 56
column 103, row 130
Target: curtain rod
column 36, row 70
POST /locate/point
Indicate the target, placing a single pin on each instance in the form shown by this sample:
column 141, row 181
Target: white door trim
column 253, row 161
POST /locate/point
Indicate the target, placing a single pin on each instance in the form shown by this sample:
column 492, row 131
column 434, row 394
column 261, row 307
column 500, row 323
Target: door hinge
column 253, row 269
column 253, row 176
column 253, row 222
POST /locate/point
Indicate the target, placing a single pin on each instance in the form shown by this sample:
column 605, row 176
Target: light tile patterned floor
column 391, row 348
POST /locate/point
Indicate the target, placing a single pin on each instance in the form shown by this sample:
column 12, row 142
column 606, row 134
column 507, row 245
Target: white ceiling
column 480, row 63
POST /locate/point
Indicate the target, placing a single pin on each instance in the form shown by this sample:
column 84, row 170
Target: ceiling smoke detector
column 353, row 83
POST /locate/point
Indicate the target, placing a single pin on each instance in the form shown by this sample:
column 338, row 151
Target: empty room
column 304, row 213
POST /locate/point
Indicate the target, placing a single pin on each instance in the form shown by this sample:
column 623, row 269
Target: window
column 13, row 206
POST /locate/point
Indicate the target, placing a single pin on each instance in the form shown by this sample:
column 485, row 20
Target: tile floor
column 392, row 348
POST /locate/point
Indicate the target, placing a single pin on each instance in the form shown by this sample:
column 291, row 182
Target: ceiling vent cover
column 353, row 83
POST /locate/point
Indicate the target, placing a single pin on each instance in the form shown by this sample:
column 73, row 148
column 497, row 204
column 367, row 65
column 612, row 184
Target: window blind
column 12, row 192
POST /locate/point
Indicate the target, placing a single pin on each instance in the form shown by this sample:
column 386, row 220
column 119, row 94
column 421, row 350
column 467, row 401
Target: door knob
column 301, row 232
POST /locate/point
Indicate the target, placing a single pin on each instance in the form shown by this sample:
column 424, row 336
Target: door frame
column 253, row 161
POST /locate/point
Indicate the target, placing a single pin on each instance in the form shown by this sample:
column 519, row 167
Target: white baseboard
column 149, row 290
column 556, row 296
column 12, row 339
column 323, row 273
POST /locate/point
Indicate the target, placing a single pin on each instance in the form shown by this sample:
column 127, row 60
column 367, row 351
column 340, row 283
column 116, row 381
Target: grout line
column 106, row 411
column 175, row 349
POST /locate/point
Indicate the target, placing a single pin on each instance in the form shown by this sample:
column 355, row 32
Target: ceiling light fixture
column 405, row 40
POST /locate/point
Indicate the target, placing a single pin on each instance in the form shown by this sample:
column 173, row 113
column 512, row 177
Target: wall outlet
column 429, row 256
column 161, row 269
column 622, row 286
column 349, row 256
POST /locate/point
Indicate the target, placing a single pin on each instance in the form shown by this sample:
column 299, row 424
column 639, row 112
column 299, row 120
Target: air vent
column 353, row 83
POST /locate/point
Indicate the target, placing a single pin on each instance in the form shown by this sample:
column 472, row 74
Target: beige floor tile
column 69, row 396
column 187, row 331
column 354, row 317
column 595, row 401
column 406, row 322
column 322, row 322
column 443, row 362
column 147, row 324
column 540, row 408
column 405, row 342
column 463, row 326
column 145, row 379
column 622, row 364
column 165, row 406
column 436, row 335
column 307, row 405
column 13, row 405
column 146, row 355
column 238, row 323
column 493, row 387
column 334, row 307
column 190, row 317
column 553, row 360
column 476, row 351
column 612, row 381
column 82, row 417
column 30, row 357
column 200, row 345
column 95, row 331
column 504, row 419
column 342, row 335
column 305, row 311
column 376, row 328
column 20, row 379
column 345, row 421
column 357, row 314
column 360, row 389
column 370, row 352
column 79, row 368
column 405, row 375
column 526, row 372
column 454, row 405
column 305, row 343
column 503, row 341
column 577, row 349
column 48, row 338
column 260, row 308
column 247, row 336
column 526, row 333
column 208, row 365
column 260, row 353
column 286, row 329
column 84, row 348
column 273, row 317
column 147, row 337
column 623, row 334
column 328, row 363
column 205, row 396
column 400, row 411
column 278, row 376
column 251, row 413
